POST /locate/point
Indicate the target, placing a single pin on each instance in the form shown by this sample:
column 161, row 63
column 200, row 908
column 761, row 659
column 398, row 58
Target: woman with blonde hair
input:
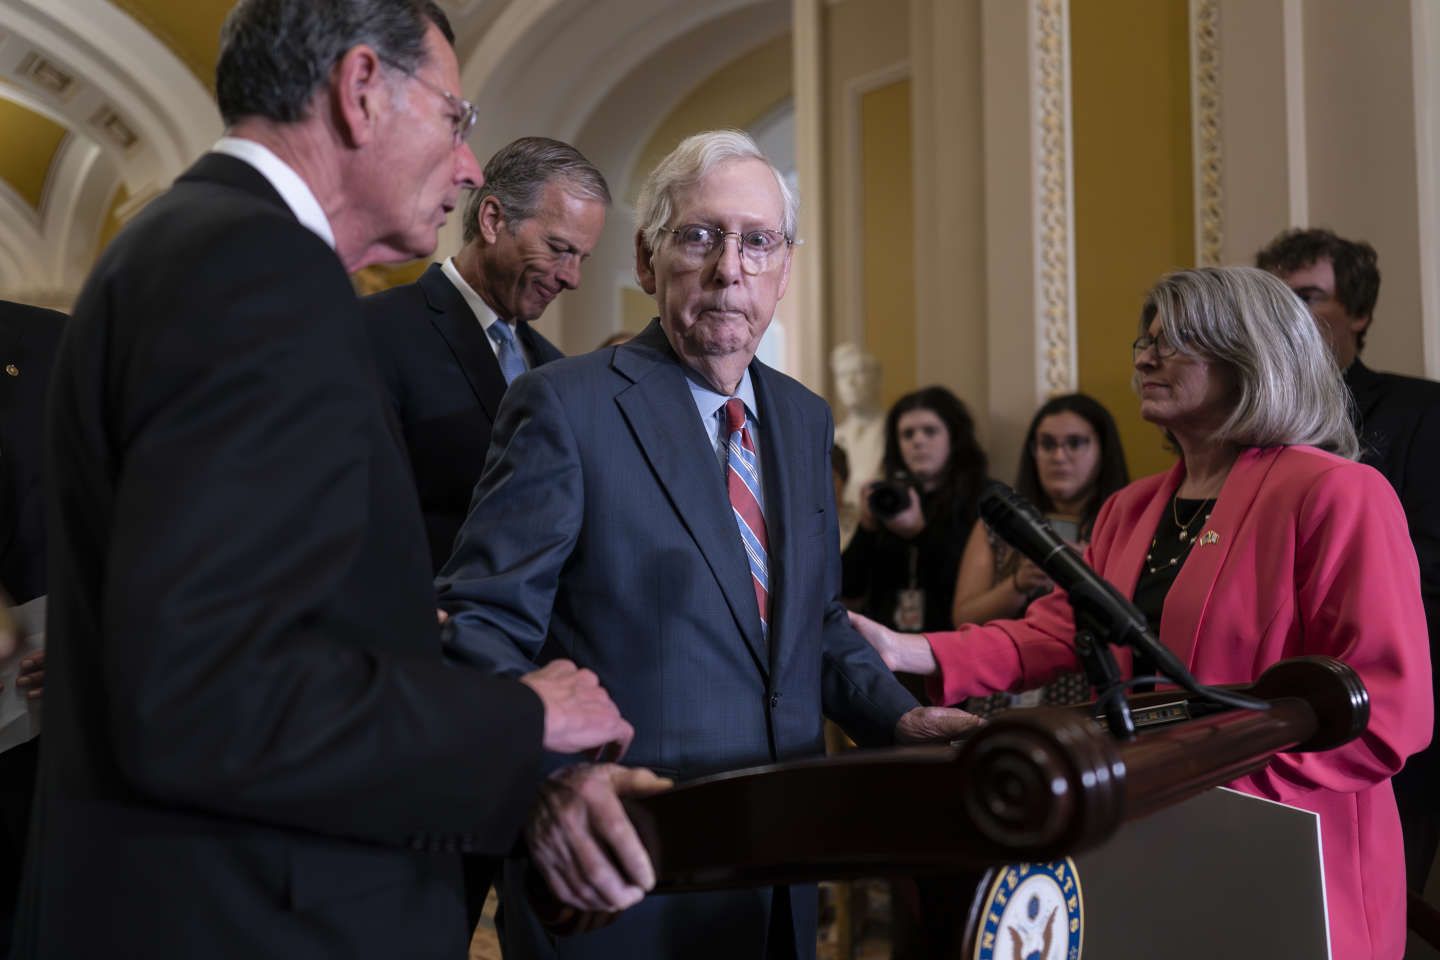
column 1265, row 541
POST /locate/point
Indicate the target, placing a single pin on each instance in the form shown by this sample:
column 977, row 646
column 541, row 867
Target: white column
column 1029, row 215
column 807, row 345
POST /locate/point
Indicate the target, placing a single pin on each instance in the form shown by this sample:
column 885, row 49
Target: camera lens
column 888, row 498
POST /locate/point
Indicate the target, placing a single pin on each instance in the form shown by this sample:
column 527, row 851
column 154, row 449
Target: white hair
column 687, row 165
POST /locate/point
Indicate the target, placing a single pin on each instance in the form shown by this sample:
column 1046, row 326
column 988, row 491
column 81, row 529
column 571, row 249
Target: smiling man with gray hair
column 662, row 512
column 449, row 344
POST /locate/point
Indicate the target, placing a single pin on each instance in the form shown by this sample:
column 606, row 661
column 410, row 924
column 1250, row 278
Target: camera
column 890, row 496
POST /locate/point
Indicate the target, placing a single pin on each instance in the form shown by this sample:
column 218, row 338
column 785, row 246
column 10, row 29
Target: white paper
column 19, row 716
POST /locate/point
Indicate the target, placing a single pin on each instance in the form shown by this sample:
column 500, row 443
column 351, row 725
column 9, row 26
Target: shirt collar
column 479, row 307
column 292, row 188
column 709, row 402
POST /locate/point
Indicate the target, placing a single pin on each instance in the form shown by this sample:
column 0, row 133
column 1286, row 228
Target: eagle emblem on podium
column 1032, row 911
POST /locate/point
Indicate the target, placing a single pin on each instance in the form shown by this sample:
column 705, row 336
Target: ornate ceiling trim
column 135, row 115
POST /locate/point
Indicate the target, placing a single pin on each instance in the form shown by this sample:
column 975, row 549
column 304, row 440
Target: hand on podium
column 936, row 725
column 585, row 847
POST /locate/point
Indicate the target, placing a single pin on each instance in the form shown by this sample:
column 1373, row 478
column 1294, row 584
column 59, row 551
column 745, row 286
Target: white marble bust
column 859, row 425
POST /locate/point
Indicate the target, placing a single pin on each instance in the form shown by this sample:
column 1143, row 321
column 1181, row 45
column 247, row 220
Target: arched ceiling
column 189, row 29
column 104, row 102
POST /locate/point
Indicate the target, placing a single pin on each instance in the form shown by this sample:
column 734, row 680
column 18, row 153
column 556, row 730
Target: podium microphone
column 1114, row 618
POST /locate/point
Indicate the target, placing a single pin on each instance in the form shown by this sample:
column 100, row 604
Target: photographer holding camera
column 900, row 567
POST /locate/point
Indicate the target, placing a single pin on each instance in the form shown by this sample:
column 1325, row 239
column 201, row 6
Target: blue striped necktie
column 512, row 362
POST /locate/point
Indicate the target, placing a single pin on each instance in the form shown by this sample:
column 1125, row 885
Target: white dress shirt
column 292, row 189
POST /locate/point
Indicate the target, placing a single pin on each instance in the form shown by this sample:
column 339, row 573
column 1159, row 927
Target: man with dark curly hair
column 1399, row 426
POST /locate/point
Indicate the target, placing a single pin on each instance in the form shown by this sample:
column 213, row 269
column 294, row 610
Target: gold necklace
column 1184, row 528
column 1186, row 541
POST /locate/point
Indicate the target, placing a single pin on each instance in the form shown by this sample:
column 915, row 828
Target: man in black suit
column 28, row 337
column 448, row 344
column 253, row 746
column 1399, row 425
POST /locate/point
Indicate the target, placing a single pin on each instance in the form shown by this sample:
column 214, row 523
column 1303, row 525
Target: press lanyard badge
column 910, row 602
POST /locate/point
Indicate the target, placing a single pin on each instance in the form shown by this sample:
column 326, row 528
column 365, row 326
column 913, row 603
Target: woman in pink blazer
column 1265, row 541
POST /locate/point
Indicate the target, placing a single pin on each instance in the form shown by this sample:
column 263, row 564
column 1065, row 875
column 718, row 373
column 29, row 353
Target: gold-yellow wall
column 191, row 29
column 637, row 309
column 1134, row 207
column 868, row 152
column 737, row 95
column 31, row 143
column 887, row 229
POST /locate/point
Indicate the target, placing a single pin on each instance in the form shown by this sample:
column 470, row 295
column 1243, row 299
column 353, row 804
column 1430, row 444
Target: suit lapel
column 660, row 413
column 782, row 443
column 539, row 350
column 1189, row 597
column 455, row 321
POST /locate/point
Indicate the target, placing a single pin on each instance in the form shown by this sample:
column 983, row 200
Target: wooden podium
column 1074, row 841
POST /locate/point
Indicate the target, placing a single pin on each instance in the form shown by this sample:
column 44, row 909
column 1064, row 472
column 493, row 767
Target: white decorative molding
column 1295, row 127
column 134, row 114
column 1052, row 147
column 1426, row 41
column 807, row 292
column 1205, row 113
column 116, row 64
column 51, row 249
column 77, row 196
column 21, row 239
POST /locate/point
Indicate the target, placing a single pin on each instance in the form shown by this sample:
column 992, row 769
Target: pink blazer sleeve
column 1357, row 597
column 980, row 659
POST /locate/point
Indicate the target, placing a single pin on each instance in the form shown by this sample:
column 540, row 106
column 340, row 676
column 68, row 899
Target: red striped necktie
column 743, row 481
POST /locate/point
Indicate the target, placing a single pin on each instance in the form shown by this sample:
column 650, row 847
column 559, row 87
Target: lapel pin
column 12, row 370
column 1209, row 536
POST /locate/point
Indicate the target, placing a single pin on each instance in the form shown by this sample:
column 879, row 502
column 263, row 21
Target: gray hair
column 1290, row 390
column 688, row 164
column 275, row 54
column 518, row 173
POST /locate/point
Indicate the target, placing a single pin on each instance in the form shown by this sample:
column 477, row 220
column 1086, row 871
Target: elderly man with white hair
column 662, row 512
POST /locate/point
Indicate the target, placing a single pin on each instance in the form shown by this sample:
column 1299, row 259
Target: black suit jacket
column 28, row 338
column 445, row 384
column 1399, row 420
column 252, row 746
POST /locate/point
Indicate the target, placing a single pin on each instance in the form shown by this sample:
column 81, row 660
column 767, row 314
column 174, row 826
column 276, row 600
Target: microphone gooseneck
column 1098, row 605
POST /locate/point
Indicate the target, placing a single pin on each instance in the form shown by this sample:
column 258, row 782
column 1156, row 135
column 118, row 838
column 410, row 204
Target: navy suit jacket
column 253, row 746
column 445, row 384
column 601, row 531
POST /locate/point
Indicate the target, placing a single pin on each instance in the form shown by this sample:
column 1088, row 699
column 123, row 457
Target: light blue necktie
column 512, row 361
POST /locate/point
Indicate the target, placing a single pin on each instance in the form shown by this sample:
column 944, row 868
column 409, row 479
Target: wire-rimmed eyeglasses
column 1164, row 349
column 465, row 114
column 695, row 242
